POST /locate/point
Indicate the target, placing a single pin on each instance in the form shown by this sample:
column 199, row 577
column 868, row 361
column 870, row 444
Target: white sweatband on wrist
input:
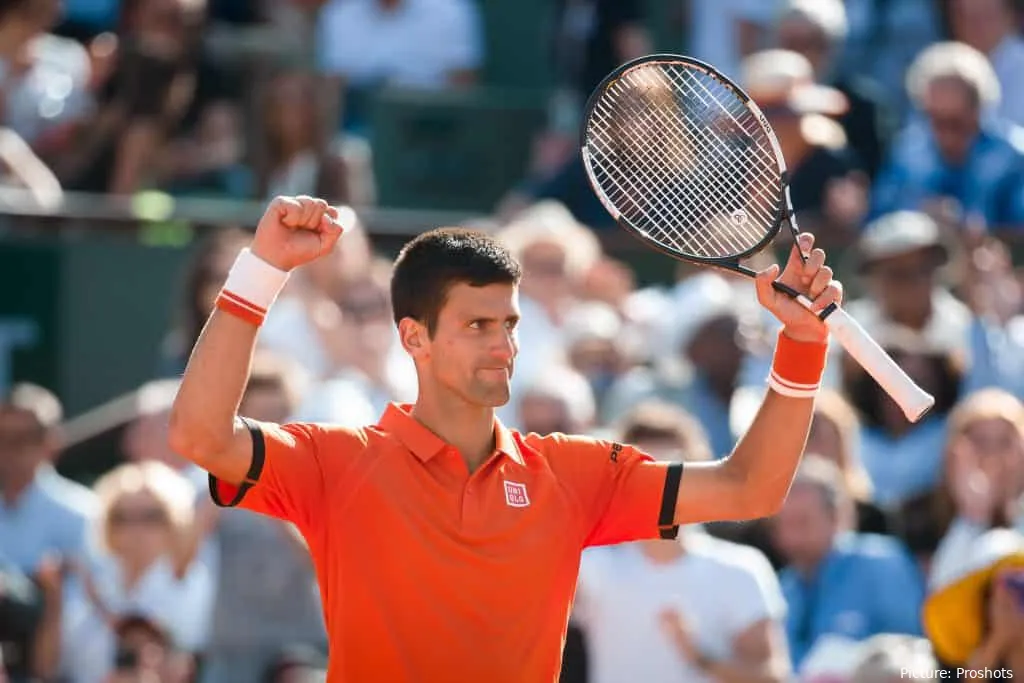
column 251, row 288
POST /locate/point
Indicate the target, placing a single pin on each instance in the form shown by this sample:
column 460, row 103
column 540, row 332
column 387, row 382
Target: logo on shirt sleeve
column 515, row 494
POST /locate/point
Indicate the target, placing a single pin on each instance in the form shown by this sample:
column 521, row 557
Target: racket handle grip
column 912, row 399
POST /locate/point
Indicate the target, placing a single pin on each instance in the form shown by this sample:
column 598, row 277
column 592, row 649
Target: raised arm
column 754, row 480
column 204, row 424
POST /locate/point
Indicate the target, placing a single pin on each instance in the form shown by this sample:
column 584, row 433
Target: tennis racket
column 684, row 159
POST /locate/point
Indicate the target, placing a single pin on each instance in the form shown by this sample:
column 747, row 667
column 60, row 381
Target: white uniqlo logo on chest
column 515, row 494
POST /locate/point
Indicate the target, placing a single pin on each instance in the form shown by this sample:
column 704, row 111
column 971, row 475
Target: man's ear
column 415, row 339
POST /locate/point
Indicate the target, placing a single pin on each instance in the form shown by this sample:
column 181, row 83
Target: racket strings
column 681, row 157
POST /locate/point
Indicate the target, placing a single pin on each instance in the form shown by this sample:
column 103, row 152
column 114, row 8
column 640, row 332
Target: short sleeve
column 622, row 494
column 287, row 474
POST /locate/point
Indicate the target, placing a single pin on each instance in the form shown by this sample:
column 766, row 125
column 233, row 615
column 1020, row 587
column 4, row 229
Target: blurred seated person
column 959, row 155
column 703, row 372
column 993, row 28
column 828, row 186
column 165, row 116
column 817, row 29
column 975, row 617
column 144, row 565
column 296, row 159
column 145, row 653
column 368, row 44
column 693, row 609
column 42, row 514
column 598, row 345
column 838, row 582
column 983, row 482
column 900, row 258
column 904, row 459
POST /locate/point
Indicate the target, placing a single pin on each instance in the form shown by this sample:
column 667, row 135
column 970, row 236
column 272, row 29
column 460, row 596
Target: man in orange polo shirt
column 446, row 545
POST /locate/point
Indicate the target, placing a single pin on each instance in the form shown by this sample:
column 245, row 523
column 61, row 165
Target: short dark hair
column 429, row 265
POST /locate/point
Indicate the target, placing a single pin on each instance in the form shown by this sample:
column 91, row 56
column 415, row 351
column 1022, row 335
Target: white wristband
column 253, row 283
column 791, row 389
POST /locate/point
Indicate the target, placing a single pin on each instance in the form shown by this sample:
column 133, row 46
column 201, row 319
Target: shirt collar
column 425, row 444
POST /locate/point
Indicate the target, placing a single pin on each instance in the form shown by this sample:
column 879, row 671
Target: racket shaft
column 912, row 399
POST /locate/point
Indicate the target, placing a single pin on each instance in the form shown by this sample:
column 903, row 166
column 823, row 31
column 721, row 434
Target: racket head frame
column 783, row 211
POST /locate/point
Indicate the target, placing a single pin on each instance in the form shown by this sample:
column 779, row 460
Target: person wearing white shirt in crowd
column 698, row 609
column 144, row 566
column 423, row 44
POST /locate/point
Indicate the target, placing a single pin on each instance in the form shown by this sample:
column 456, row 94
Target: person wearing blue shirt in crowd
column 839, row 583
column 42, row 514
column 960, row 151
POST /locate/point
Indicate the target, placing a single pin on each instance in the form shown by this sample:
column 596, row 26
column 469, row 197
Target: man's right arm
column 204, row 424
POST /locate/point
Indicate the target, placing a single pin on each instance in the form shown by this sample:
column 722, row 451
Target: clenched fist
column 296, row 230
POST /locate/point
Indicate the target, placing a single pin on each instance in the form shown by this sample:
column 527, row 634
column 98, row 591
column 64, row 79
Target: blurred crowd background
column 140, row 139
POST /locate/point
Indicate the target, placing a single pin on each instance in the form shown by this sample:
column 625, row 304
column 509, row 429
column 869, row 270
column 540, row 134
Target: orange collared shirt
column 428, row 573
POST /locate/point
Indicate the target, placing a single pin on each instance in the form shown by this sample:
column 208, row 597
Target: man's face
column 804, row 529
column 23, row 444
column 472, row 353
column 954, row 117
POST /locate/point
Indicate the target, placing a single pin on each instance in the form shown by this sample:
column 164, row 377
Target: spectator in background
column 144, row 565
column 145, row 652
column 266, row 590
column 297, row 160
column 556, row 252
column 900, row 256
column 835, row 435
column 704, row 373
column 827, row 184
column 367, row 44
column 991, row 27
column 975, row 617
column 598, row 345
column 41, row 513
column 983, row 483
column 165, row 118
column 839, row 583
column 958, row 157
column 817, row 29
column 694, row 609
column 904, row 459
